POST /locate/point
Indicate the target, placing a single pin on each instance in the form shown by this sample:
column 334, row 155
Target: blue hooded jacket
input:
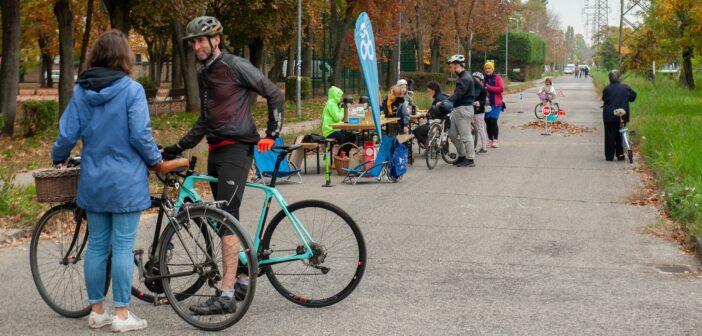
column 109, row 113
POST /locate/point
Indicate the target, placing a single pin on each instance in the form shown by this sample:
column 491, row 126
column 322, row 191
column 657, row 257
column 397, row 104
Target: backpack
column 398, row 162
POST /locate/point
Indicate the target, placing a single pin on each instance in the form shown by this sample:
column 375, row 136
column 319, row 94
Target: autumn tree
column 678, row 24
column 9, row 70
column 64, row 16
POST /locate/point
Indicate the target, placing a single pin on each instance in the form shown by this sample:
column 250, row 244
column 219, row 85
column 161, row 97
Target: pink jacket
column 495, row 90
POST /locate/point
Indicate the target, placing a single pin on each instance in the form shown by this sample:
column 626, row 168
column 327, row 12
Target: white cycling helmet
column 458, row 58
column 479, row 75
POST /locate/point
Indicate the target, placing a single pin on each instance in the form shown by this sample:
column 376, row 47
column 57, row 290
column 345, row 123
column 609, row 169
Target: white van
column 569, row 69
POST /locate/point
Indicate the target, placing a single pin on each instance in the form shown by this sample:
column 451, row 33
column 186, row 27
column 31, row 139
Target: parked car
column 569, row 69
column 320, row 69
column 55, row 74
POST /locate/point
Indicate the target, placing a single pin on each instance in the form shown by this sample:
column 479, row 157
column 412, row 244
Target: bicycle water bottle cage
column 619, row 112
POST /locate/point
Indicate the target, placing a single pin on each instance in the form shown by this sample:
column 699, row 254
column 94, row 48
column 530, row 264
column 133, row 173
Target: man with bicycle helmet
column 228, row 88
column 462, row 113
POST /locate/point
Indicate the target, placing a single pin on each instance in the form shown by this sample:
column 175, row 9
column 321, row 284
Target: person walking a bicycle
column 228, row 88
column 462, row 113
column 615, row 96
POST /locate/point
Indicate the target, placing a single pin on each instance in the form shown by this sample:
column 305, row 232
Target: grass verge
column 668, row 124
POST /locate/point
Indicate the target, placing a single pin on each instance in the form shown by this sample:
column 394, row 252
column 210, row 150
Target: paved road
column 535, row 240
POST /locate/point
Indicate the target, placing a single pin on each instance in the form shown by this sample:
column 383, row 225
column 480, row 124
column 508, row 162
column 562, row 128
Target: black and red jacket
column 228, row 90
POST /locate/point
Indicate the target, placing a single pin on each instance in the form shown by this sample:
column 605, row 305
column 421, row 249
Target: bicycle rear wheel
column 339, row 254
column 190, row 252
column 448, row 151
column 432, row 147
column 56, row 256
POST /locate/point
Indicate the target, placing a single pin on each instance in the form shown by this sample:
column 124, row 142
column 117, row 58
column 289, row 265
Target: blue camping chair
column 380, row 167
column 265, row 165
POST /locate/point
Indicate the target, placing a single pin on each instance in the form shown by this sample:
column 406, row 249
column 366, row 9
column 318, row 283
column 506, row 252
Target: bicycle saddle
column 620, row 112
column 173, row 166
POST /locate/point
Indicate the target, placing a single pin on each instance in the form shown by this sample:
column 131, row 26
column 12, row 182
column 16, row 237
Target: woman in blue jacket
column 109, row 113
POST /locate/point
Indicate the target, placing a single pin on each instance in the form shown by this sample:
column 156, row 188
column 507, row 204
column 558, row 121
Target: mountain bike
column 184, row 263
column 625, row 134
column 438, row 143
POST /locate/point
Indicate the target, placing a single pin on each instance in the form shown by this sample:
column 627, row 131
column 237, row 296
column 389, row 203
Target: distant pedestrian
column 495, row 87
column 616, row 95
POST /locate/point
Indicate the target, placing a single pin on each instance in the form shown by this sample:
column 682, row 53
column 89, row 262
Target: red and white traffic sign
column 547, row 110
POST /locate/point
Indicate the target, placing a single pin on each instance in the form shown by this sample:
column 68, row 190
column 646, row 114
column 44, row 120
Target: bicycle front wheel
column 203, row 246
column 56, row 256
column 539, row 111
column 433, row 146
column 338, row 254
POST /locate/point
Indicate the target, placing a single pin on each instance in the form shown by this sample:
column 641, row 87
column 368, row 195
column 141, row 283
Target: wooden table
column 363, row 127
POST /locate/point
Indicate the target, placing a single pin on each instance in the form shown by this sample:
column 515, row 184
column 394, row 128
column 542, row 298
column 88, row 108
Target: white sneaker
column 131, row 323
column 96, row 321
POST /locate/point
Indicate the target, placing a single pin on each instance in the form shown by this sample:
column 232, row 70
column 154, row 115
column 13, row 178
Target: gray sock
column 228, row 293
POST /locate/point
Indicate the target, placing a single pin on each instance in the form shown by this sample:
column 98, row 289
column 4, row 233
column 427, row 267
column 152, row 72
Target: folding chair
column 380, row 167
column 265, row 165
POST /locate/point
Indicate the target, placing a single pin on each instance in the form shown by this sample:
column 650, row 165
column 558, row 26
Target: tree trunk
column 9, row 70
column 419, row 38
column 47, row 62
column 307, row 48
column 176, row 65
column 686, row 78
column 150, row 50
column 391, row 79
column 161, row 52
column 435, row 54
column 276, row 72
column 340, row 44
column 63, row 13
column 86, row 36
column 118, row 11
column 187, row 61
column 290, row 69
column 256, row 52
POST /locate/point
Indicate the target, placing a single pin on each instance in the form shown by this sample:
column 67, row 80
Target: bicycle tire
column 432, row 149
column 447, row 154
column 630, row 154
column 539, row 111
column 274, row 240
column 69, row 239
column 146, row 294
column 176, row 236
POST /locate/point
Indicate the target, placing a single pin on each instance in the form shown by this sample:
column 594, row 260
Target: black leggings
column 492, row 129
column 230, row 163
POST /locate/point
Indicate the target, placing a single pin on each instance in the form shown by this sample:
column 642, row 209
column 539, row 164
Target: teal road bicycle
column 312, row 252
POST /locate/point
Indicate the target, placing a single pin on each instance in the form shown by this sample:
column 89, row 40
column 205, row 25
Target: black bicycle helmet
column 203, row 26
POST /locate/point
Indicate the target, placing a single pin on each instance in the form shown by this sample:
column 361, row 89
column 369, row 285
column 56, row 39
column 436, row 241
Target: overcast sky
column 571, row 13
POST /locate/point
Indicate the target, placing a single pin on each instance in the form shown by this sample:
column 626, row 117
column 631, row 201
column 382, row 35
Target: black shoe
column 620, row 157
column 214, row 306
column 459, row 160
column 467, row 163
column 240, row 291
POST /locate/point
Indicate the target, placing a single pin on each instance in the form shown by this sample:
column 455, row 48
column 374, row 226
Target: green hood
column 335, row 94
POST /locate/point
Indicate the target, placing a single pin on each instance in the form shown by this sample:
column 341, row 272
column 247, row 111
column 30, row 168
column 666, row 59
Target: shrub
column 38, row 115
column 147, row 83
column 291, row 87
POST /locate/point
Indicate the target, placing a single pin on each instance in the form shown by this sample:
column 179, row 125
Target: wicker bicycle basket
column 355, row 157
column 56, row 185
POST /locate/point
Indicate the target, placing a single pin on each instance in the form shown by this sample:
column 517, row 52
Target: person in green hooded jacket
column 333, row 113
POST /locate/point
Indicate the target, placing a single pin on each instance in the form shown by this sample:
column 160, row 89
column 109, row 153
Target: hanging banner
column 365, row 45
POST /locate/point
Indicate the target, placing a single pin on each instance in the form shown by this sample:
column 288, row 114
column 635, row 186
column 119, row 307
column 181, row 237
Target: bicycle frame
column 187, row 191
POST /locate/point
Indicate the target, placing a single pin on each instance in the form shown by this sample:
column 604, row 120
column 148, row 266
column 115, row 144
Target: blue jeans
column 117, row 230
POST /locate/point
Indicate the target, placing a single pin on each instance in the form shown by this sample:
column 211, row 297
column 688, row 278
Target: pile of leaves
column 558, row 126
